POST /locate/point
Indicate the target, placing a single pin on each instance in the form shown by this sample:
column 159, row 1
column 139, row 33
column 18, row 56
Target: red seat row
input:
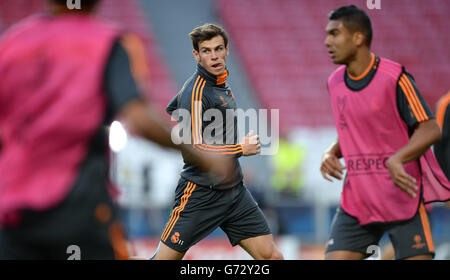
column 129, row 14
column 281, row 44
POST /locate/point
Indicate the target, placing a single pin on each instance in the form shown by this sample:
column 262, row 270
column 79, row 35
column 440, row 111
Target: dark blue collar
column 216, row 80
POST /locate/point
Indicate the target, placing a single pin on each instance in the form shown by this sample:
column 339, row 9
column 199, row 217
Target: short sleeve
column 411, row 105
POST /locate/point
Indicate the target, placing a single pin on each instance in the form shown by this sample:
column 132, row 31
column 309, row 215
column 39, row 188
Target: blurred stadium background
column 277, row 61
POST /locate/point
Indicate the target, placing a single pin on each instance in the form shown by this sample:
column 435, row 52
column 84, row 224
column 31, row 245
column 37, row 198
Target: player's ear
column 196, row 55
column 228, row 49
column 358, row 38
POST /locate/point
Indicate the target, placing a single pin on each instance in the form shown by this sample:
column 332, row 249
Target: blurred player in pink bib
column 65, row 76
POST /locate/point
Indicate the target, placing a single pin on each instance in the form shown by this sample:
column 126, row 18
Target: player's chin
column 217, row 70
column 337, row 60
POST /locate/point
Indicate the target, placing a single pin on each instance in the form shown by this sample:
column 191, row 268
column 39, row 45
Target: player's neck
column 363, row 61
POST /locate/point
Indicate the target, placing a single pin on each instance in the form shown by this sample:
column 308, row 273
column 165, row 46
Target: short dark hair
column 354, row 19
column 205, row 32
column 85, row 4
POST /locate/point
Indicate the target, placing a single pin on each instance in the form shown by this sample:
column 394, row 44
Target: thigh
column 244, row 219
column 348, row 239
column 196, row 213
column 412, row 238
column 166, row 253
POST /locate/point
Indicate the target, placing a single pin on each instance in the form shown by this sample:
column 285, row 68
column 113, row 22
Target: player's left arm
column 443, row 115
column 425, row 132
column 445, row 125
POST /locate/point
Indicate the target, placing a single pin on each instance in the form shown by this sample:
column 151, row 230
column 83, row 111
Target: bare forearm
column 141, row 119
column 426, row 134
column 144, row 121
column 335, row 148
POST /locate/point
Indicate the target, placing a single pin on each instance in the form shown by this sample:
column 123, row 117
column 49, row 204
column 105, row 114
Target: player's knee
column 276, row 254
column 166, row 253
column 272, row 253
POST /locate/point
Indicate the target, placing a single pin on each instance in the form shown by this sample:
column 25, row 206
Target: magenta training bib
column 370, row 130
column 52, row 102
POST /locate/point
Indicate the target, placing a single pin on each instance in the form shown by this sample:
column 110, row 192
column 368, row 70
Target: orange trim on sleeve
column 221, row 146
column 197, row 113
column 200, row 113
column 416, row 98
column 443, row 103
column 412, row 105
column 413, row 101
column 235, row 150
column 193, row 109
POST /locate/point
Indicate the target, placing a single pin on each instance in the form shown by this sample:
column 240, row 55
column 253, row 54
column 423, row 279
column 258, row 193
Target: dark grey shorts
column 198, row 211
column 409, row 238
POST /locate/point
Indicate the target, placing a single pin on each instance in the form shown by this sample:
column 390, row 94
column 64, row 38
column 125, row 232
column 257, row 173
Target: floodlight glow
column 117, row 137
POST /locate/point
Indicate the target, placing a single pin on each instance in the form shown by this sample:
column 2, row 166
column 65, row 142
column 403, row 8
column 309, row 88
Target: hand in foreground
column 331, row 166
column 401, row 179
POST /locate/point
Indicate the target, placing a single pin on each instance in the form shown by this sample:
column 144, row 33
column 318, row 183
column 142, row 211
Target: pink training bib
column 370, row 130
column 52, row 102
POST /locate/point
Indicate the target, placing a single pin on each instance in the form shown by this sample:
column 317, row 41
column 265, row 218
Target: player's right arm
column 423, row 128
column 331, row 166
column 196, row 102
column 250, row 145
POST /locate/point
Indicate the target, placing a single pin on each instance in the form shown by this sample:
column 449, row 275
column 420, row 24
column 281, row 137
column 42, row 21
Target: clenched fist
column 250, row 144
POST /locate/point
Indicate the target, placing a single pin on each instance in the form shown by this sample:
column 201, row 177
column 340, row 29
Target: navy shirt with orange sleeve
column 411, row 105
column 200, row 93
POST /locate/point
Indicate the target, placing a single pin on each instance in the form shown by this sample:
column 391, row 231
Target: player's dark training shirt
column 201, row 92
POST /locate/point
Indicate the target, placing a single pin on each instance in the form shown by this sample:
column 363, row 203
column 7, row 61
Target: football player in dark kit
column 65, row 76
column 203, row 201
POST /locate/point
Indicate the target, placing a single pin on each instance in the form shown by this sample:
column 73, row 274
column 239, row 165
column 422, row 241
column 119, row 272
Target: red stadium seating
column 130, row 16
column 281, row 46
